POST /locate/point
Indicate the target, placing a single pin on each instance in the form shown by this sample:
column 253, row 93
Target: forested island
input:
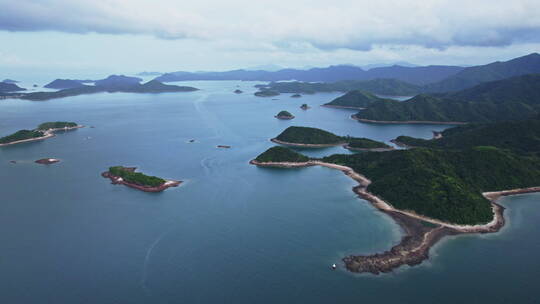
column 127, row 176
column 266, row 93
column 43, row 131
column 318, row 138
column 447, row 187
column 284, row 115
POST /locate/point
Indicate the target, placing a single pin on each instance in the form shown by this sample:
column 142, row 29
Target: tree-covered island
column 284, row 115
column 43, row 131
column 127, row 176
column 318, row 138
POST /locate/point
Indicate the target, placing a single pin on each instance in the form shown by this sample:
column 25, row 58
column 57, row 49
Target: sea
column 232, row 232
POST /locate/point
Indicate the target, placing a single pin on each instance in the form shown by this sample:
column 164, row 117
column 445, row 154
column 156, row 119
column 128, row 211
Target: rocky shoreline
column 420, row 232
column 368, row 149
column 277, row 141
column 115, row 180
column 408, row 122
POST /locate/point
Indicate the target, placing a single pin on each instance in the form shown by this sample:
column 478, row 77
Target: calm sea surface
column 232, row 233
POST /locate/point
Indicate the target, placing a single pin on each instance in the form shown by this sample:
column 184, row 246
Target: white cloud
column 357, row 25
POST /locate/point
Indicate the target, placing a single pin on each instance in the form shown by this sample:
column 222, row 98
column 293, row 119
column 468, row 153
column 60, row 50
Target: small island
column 284, row 115
column 296, row 95
column 266, row 93
column 128, row 177
column 47, row 161
column 316, row 138
column 43, row 131
column 304, row 106
column 237, row 91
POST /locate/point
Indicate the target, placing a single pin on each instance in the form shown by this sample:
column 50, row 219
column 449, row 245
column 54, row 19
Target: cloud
column 339, row 24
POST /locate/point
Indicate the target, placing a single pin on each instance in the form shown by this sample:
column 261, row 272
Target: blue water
column 232, row 233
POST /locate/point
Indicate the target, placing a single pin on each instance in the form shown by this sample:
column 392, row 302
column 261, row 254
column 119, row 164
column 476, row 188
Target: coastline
column 118, row 180
column 368, row 149
column 277, row 141
column 47, row 134
column 420, row 232
column 342, row 107
column 408, row 122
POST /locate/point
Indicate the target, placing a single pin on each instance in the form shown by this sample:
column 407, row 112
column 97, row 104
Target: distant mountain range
column 472, row 76
column 432, row 79
column 413, row 75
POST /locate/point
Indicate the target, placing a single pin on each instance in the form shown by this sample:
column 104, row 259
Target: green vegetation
column 522, row 137
column 508, row 99
column 135, row 177
column 281, row 154
column 21, row 135
column 445, row 185
column 284, row 114
column 266, row 93
column 56, row 125
column 306, row 135
column 376, row 86
column 314, row 136
column 366, row 143
column 354, row 99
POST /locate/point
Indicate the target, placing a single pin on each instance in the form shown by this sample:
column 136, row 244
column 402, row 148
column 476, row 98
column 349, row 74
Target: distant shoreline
column 47, row 134
column 421, row 232
column 408, row 122
column 342, row 107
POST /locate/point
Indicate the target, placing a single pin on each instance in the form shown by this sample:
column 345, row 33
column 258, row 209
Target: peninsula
column 433, row 193
column 128, row 177
column 43, row 131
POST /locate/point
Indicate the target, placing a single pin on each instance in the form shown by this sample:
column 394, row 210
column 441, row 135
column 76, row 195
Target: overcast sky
column 165, row 35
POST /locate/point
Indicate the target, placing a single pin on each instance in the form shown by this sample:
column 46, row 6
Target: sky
column 129, row 36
